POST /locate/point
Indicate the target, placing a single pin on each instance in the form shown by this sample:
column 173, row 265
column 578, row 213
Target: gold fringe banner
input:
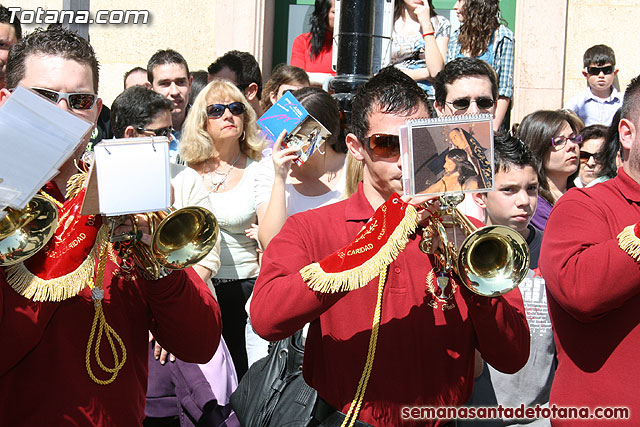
column 326, row 282
column 629, row 242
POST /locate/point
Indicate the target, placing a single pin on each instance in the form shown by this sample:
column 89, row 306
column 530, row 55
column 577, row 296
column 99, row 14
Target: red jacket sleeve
column 282, row 303
column 186, row 316
column 501, row 329
column 22, row 324
column 584, row 269
column 300, row 51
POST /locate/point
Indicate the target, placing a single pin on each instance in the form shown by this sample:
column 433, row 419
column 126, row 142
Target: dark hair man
column 424, row 331
column 136, row 76
column 466, row 86
column 56, row 309
column 242, row 69
column 168, row 73
column 589, row 258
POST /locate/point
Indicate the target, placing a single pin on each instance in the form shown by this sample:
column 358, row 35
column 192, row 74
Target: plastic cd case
column 303, row 130
column 447, row 154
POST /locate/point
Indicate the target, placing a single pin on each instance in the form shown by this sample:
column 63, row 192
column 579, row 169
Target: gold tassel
column 357, row 277
column 75, row 184
column 629, row 242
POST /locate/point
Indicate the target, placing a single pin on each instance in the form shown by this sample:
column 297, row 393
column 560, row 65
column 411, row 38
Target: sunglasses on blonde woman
column 217, row 110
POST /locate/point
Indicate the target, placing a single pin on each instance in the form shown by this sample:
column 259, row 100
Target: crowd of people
column 329, row 247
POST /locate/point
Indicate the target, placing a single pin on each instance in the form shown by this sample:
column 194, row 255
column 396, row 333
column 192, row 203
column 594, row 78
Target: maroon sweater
column 424, row 356
column 43, row 378
column 593, row 294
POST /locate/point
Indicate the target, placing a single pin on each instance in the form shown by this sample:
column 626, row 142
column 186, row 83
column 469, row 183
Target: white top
column 188, row 190
column 236, row 211
column 295, row 201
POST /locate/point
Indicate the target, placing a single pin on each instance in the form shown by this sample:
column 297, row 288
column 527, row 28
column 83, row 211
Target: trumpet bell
column 493, row 260
column 24, row 232
column 184, row 237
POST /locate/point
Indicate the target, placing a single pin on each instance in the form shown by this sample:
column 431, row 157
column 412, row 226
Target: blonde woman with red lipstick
column 554, row 140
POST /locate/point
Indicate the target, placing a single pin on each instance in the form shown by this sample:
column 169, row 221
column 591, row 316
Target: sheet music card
column 447, row 154
column 36, row 138
column 133, row 175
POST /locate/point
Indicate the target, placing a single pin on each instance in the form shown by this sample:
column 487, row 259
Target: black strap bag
column 273, row 393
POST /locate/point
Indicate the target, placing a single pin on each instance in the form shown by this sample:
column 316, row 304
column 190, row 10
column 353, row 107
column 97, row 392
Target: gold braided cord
column 100, row 322
column 357, row 277
column 50, row 198
column 628, row 242
column 57, row 289
column 356, row 404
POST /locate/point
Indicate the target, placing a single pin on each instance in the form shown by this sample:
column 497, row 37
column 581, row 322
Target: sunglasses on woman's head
column 483, row 103
column 560, row 141
column 75, row 101
column 383, row 145
column 217, row 110
column 594, row 71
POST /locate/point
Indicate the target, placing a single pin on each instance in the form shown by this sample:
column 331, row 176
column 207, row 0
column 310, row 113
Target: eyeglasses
column 158, row 132
column 594, row 71
column 217, row 110
column 76, row 101
column 483, row 103
column 383, row 145
column 560, row 141
column 585, row 156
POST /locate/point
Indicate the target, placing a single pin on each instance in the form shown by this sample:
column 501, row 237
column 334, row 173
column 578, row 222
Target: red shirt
column 424, row 356
column 301, row 51
column 593, row 294
column 43, row 378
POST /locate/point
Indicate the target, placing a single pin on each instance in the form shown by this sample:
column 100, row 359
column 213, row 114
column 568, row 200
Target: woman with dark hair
column 283, row 188
column 555, row 143
column 483, row 35
column 419, row 42
column 592, row 168
column 289, row 188
column 459, row 173
column 312, row 51
column 284, row 77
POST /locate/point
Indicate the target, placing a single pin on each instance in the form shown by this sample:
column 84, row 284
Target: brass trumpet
column 491, row 261
column 24, row 232
column 180, row 238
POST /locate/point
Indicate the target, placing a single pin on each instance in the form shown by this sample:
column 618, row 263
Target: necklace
column 219, row 180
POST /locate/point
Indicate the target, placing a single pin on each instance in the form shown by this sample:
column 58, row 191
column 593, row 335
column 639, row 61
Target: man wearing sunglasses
column 466, row 86
column 77, row 282
column 424, row 354
column 597, row 104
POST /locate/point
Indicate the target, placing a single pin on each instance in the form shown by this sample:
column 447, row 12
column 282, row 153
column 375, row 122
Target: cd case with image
column 447, row 154
column 303, row 130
